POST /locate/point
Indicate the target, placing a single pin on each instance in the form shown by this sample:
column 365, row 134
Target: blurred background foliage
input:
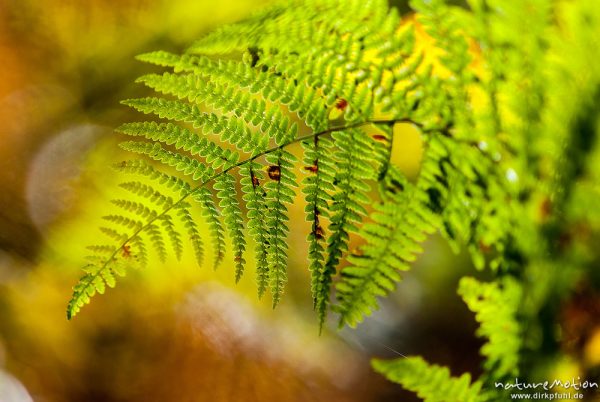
column 173, row 332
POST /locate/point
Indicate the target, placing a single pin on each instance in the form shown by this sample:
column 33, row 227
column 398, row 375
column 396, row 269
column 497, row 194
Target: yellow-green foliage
column 508, row 126
column 230, row 122
column 496, row 306
column 430, row 382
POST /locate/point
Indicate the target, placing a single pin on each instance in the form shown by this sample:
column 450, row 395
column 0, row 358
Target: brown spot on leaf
column 126, row 251
column 313, row 168
column 341, row 104
column 486, row 248
column 319, row 232
column 274, row 172
column 546, row 208
column 255, row 181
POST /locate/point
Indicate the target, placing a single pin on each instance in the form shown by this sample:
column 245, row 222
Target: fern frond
column 174, row 237
column 209, row 211
column 97, row 276
column 232, row 214
column 443, row 24
column 247, row 98
column 88, row 286
column 254, row 197
column 124, row 221
column 317, row 187
column 278, row 193
column 346, row 209
column 323, row 60
column 231, row 130
column 180, row 162
column 112, row 233
column 183, row 212
column 141, row 168
column 182, row 138
column 465, row 188
column 298, row 98
column 140, row 252
column 430, row 382
column 137, row 208
column 295, row 25
column 347, row 203
column 101, row 249
column 157, row 240
column 393, row 238
column 325, row 82
column 148, row 192
column 270, row 120
column 496, row 305
column 325, row 47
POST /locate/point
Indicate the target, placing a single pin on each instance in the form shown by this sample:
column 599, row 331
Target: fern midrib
column 238, row 164
column 319, row 305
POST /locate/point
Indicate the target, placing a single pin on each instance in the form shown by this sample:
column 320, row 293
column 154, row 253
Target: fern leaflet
column 431, row 383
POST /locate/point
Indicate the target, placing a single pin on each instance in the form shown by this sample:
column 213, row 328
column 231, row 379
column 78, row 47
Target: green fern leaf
column 136, row 208
column 350, row 62
column 174, row 237
column 431, row 383
column 141, row 168
column 184, row 139
column 148, row 192
column 320, row 167
column 298, row 98
column 211, row 214
column 183, row 212
column 270, row 120
column 123, row 221
column 231, row 130
column 393, row 239
column 180, row 162
column 278, row 192
column 496, row 305
column 157, row 240
column 232, row 214
column 254, row 197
